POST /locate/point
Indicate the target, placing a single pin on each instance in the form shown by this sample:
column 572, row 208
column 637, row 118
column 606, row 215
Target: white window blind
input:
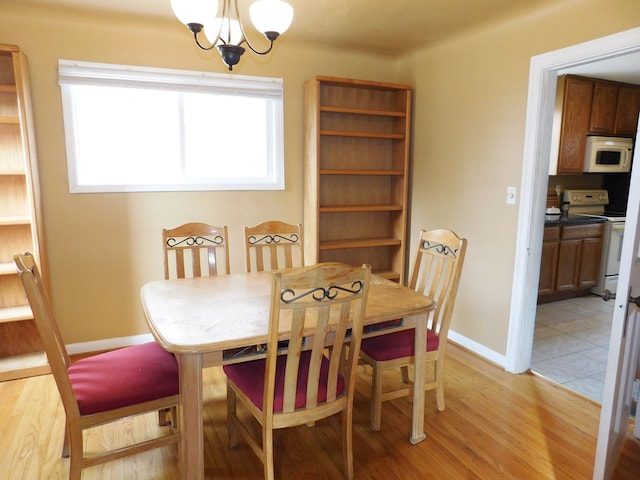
column 131, row 128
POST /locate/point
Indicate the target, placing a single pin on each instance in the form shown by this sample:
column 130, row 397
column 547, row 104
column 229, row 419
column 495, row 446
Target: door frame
column 543, row 74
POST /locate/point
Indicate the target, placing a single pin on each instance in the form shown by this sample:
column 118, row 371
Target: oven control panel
column 586, row 197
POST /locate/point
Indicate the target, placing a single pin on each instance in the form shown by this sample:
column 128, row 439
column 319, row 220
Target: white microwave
column 608, row 155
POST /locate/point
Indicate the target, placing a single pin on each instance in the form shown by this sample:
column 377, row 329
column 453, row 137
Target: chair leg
column 439, row 374
column 174, row 417
column 376, row 398
column 231, row 417
column 65, row 443
column 76, row 454
column 168, row 417
column 267, row 453
column 347, row 442
column 404, row 371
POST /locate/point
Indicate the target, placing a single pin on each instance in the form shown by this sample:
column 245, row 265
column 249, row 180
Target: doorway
column 621, row 50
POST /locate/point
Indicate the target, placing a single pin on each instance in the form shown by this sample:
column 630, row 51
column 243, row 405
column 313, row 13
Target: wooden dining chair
column 436, row 273
column 313, row 308
column 273, row 245
column 195, row 250
column 103, row 388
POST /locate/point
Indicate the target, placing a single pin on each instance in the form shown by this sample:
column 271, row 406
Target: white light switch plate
column 511, row 195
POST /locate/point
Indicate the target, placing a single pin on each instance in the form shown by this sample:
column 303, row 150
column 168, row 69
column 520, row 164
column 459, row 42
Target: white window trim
column 89, row 73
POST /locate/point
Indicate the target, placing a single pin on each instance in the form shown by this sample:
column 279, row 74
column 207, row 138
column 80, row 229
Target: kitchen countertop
column 562, row 220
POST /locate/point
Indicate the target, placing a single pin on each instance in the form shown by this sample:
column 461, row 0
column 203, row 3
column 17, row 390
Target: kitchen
column 595, row 122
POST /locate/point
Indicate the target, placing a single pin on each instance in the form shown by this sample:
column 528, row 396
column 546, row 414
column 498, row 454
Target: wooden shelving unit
column 356, row 173
column 20, row 219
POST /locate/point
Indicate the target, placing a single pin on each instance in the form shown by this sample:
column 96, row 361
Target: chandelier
column 226, row 32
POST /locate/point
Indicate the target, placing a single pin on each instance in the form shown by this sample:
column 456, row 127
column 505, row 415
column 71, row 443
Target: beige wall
column 103, row 247
column 470, row 105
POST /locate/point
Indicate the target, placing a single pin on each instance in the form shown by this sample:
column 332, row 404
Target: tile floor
column 571, row 342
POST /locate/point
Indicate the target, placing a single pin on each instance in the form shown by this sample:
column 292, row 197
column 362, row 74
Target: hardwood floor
column 496, row 426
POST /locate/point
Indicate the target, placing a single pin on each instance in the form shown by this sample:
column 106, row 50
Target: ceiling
column 625, row 68
column 388, row 27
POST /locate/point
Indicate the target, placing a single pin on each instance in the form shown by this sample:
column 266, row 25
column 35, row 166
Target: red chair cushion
column 396, row 345
column 124, row 377
column 249, row 378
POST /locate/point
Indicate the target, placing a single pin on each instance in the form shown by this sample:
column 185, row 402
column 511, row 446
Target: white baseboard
column 108, row 344
column 119, row 342
column 477, row 348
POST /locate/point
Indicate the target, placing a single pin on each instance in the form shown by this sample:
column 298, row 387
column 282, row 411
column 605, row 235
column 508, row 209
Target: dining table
column 208, row 321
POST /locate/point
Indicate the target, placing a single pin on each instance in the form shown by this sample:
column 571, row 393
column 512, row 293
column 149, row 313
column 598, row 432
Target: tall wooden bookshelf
column 21, row 227
column 357, row 138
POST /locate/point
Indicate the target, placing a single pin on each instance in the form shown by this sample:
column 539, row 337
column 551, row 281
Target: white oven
column 592, row 203
column 610, row 262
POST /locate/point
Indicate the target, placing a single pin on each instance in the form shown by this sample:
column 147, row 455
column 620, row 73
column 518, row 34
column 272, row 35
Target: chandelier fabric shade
column 224, row 29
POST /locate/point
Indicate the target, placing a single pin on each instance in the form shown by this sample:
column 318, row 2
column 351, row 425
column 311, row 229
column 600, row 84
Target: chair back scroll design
column 319, row 312
column 436, row 274
column 195, row 250
column 273, row 245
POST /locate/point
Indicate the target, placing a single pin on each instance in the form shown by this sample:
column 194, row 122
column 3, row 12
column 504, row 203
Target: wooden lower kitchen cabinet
column 568, row 265
column 570, row 261
column 590, row 262
column 549, row 261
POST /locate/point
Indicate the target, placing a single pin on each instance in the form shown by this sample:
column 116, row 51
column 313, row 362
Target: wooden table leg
column 417, row 427
column 192, row 434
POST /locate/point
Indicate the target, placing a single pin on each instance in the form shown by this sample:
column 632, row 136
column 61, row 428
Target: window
column 134, row 129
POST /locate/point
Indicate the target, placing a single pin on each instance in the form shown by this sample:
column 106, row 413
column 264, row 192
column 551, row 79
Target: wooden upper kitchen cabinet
column 587, row 106
column 356, row 173
column 603, row 108
column 21, row 351
column 573, row 106
column 627, row 110
column 614, row 109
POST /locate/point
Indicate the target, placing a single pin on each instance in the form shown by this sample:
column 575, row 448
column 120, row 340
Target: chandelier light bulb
column 212, row 30
column 271, row 15
column 195, row 11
